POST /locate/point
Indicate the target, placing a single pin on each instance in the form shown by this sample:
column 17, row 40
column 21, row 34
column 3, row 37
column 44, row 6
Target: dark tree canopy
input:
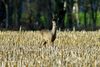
column 2, row 11
column 37, row 15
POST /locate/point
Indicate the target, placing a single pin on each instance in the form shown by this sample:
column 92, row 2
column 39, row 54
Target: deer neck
column 53, row 27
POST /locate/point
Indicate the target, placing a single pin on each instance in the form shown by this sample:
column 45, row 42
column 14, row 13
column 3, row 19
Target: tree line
column 37, row 15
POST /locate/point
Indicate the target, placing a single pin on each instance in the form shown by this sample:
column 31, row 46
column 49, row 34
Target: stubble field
column 71, row 49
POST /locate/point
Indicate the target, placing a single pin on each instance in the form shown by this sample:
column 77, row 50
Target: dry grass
column 72, row 49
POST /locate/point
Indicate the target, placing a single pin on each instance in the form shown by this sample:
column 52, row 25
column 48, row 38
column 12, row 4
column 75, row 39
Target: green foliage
column 98, row 18
column 81, row 17
column 25, row 17
column 28, row 11
column 65, row 20
column 43, row 19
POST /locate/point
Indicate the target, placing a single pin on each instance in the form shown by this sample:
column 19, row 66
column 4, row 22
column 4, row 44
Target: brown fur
column 49, row 36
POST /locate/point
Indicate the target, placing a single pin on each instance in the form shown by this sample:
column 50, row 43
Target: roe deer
column 49, row 36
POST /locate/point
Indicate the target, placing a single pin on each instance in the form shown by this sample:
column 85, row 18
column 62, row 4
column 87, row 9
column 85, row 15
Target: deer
column 50, row 36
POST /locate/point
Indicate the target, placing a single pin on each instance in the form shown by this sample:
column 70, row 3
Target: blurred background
column 37, row 14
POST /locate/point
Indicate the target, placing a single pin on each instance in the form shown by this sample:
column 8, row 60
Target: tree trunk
column 6, row 15
column 94, row 13
column 75, row 14
column 85, row 19
column 19, row 12
column 69, row 14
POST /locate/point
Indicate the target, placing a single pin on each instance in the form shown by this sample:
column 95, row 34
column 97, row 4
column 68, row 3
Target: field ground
column 71, row 49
